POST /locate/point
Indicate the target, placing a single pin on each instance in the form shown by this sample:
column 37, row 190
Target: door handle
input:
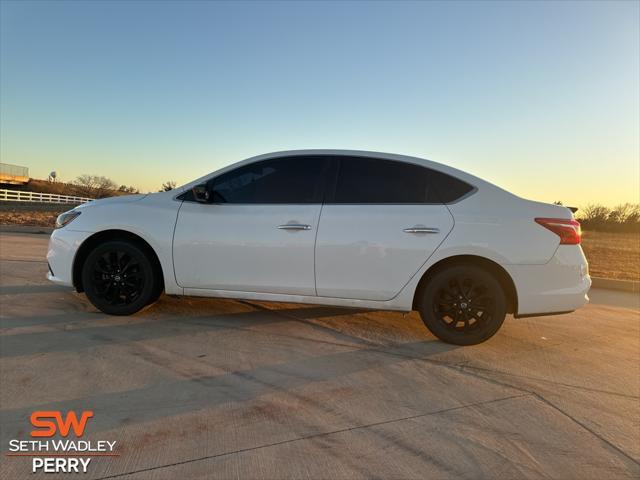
column 418, row 229
column 294, row 226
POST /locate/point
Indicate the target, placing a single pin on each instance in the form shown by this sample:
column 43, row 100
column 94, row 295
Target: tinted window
column 280, row 180
column 448, row 188
column 370, row 180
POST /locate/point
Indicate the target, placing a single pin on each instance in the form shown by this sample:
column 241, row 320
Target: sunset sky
column 541, row 98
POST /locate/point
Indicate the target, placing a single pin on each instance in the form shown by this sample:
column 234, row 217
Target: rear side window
column 280, row 180
column 372, row 180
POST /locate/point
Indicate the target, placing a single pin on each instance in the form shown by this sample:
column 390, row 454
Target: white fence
column 34, row 197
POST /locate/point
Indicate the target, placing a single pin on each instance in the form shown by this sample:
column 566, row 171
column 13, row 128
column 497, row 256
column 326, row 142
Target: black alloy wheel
column 463, row 305
column 118, row 278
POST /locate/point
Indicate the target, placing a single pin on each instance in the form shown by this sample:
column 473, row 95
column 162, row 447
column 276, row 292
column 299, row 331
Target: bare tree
column 94, row 186
column 595, row 214
column 633, row 217
column 621, row 212
column 128, row 189
column 166, row 186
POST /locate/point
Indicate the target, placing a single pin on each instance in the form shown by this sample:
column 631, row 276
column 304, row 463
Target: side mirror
column 202, row 193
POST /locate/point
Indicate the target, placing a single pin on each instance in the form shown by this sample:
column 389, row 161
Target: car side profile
column 331, row 227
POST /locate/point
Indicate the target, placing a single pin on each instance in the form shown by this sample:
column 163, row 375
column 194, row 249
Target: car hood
column 112, row 200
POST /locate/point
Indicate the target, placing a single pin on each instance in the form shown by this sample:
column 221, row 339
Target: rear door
column 259, row 235
column 379, row 225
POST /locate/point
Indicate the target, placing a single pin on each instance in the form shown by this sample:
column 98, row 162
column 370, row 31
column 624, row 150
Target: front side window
column 280, row 180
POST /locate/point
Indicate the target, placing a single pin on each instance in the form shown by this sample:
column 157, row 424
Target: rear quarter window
column 449, row 189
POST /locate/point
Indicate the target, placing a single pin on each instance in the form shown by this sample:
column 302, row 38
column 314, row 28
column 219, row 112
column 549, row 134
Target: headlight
column 66, row 218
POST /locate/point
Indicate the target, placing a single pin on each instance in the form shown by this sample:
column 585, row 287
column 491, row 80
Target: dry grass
column 38, row 218
column 612, row 255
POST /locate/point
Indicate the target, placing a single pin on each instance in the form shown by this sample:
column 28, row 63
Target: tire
column 118, row 278
column 463, row 305
column 159, row 290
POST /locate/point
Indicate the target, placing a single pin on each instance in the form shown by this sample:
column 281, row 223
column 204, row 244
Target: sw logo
column 60, row 454
column 42, row 420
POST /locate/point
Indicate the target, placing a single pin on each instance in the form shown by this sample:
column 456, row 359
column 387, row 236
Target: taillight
column 568, row 230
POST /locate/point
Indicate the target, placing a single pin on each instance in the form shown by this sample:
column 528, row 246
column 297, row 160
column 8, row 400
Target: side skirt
column 278, row 297
column 546, row 314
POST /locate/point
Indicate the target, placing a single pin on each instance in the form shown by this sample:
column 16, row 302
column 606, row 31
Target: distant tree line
column 86, row 185
column 622, row 218
column 95, row 186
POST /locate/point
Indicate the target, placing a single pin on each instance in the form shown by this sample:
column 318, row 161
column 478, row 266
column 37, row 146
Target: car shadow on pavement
column 146, row 327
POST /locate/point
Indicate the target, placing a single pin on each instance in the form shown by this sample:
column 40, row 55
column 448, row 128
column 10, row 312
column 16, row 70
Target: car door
column 259, row 234
column 377, row 228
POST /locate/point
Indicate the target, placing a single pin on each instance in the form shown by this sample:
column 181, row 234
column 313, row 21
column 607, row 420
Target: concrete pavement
column 203, row 388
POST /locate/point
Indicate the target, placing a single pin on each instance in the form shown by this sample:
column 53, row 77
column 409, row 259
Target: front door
column 259, row 234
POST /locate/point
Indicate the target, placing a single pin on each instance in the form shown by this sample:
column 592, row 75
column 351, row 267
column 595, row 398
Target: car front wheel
column 118, row 278
column 463, row 305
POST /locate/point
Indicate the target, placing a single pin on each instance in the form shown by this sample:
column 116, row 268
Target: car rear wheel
column 463, row 305
column 118, row 278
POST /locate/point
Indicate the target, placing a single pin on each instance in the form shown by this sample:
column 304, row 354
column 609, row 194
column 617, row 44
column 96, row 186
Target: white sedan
column 331, row 227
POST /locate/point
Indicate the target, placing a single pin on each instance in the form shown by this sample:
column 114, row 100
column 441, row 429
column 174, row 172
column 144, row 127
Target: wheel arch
column 492, row 267
column 107, row 235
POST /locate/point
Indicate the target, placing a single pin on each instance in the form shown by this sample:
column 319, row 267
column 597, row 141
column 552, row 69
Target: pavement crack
column 560, row 384
column 547, row 402
column 611, row 445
